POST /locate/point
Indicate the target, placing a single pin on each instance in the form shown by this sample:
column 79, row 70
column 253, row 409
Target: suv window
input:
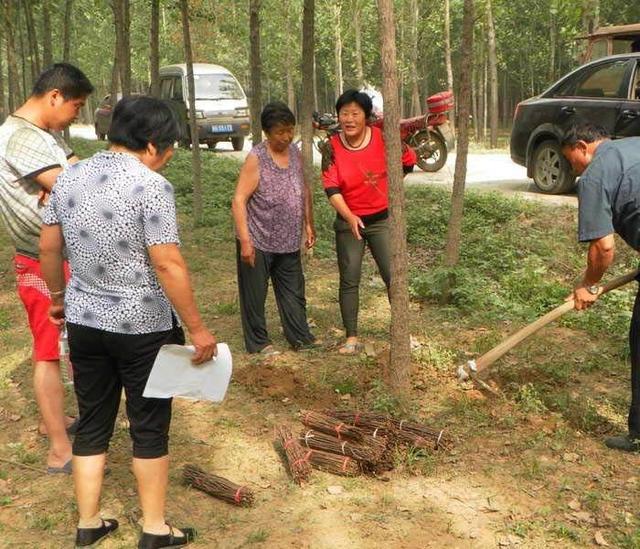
column 606, row 80
column 165, row 88
column 177, row 89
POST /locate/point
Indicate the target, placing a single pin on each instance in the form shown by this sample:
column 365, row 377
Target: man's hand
column 43, row 198
column 356, row 224
column 56, row 314
column 205, row 343
column 248, row 253
column 311, row 235
column 584, row 298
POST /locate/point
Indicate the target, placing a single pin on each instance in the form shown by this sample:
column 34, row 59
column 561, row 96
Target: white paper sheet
column 173, row 374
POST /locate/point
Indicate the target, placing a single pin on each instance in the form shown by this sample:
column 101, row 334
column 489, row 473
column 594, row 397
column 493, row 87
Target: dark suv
column 605, row 92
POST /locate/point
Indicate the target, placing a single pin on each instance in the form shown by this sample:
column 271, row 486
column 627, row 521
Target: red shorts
column 35, row 297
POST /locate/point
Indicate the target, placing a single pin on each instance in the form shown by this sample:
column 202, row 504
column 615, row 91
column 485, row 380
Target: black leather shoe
column 87, row 537
column 626, row 443
column 153, row 541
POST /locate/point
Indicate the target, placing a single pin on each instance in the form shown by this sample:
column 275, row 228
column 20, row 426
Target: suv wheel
column 238, row 143
column 551, row 171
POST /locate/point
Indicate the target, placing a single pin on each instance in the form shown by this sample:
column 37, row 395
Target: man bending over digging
column 607, row 195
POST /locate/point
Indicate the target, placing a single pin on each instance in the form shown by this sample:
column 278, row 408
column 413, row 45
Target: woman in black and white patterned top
column 116, row 216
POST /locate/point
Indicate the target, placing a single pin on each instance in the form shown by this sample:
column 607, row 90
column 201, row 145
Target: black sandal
column 87, row 537
column 158, row 541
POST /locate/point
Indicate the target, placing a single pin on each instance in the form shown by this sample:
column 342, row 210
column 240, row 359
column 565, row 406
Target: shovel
column 474, row 367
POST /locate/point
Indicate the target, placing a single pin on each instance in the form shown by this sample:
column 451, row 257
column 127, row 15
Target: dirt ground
column 519, row 474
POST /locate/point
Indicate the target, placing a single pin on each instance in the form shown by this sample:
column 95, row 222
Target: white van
column 222, row 111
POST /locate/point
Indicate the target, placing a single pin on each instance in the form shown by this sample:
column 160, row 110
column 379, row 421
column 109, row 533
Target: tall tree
column 590, row 15
column 3, row 101
column 288, row 66
column 255, row 64
column 34, row 52
column 414, row 17
column 337, row 50
column 154, row 46
column 66, row 33
column 122, row 22
column 454, row 229
column 307, row 70
column 400, row 350
column 195, row 142
column 493, row 77
column 357, row 30
column 47, row 39
column 12, row 63
column 447, row 44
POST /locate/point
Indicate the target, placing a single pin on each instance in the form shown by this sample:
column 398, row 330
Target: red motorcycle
column 430, row 135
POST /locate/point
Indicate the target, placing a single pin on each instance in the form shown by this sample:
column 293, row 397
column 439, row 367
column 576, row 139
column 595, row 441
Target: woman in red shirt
column 355, row 180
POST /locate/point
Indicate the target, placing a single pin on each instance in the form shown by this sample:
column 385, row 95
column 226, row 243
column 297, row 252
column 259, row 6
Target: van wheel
column 551, row 171
column 238, row 143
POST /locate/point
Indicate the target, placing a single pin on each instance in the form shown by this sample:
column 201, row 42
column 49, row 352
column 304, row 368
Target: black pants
column 350, row 252
column 285, row 271
column 104, row 363
column 634, row 343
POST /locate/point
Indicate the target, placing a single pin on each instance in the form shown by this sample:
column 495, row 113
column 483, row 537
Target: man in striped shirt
column 32, row 154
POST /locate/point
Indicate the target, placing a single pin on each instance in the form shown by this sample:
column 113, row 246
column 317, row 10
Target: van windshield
column 217, row 86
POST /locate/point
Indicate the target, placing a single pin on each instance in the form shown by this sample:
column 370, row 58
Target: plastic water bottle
column 66, row 371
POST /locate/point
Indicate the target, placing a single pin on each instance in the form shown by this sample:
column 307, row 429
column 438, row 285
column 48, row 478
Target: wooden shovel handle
column 505, row 346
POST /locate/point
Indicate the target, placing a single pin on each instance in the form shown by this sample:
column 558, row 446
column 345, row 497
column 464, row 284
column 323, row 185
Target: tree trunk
column 3, row 99
column 195, row 142
column 454, row 230
column 308, row 92
column 255, row 64
column 414, row 17
column 337, row 9
column 47, row 39
column 315, row 79
column 33, row 40
column 493, row 77
column 447, row 44
column 154, row 46
column 590, row 15
column 400, row 351
column 23, row 54
column 12, row 64
column 126, row 48
column 66, row 34
column 357, row 12
column 553, row 38
column 115, row 71
column 288, row 66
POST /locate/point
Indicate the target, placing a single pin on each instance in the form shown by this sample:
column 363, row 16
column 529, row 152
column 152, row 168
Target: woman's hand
column 205, row 343
column 248, row 253
column 356, row 224
column 311, row 235
column 56, row 314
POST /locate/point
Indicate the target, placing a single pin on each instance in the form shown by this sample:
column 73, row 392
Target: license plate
column 222, row 128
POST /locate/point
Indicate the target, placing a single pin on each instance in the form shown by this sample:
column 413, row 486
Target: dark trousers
column 634, row 343
column 285, row 272
column 103, row 364
column 350, row 252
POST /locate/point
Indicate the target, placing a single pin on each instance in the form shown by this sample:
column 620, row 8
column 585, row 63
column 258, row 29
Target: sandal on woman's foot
column 156, row 541
column 90, row 537
column 268, row 351
column 351, row 348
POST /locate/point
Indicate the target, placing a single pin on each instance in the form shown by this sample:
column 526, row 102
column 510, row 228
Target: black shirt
column 609, row 193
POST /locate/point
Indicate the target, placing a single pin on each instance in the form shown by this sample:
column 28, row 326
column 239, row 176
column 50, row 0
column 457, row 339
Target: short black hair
column 70, row 80
column 275, row 113
column 583, row 131
column 354, row 96
column 140, row 120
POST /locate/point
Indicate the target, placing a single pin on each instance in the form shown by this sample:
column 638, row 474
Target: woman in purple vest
column 271, row 208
